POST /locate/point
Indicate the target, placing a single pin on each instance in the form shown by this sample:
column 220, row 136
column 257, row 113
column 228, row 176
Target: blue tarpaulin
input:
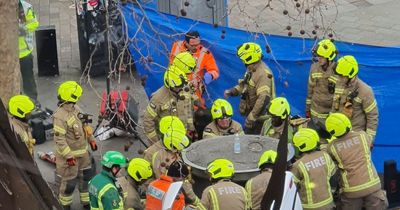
column 153, row 33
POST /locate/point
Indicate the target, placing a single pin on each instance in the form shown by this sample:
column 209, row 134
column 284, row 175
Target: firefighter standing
column 355, row 99
column 321, row 81
column 360, row 185
column 222, row 124
column 71, row 139
column 256, row 187
column 206, row 69
column 223, row 194
column 256, row 89
column 19, row 107
column 312, row 171
column 27, row 25
column 104, row 194
column 174, row 141
column 139, row 171
column 169, row 100
column 158, row 188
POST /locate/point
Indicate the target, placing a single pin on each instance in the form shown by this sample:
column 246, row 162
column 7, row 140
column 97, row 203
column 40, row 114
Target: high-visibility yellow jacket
column 27, row 26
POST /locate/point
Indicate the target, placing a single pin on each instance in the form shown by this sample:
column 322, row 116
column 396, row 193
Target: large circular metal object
column 202, row 152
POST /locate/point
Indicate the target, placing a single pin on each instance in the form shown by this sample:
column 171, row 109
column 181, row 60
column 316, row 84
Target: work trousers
column 79, row 174
column 28, row 79
column 374, row 201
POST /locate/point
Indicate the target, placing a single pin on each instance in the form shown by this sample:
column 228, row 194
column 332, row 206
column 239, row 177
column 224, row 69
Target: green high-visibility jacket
column 103, row 193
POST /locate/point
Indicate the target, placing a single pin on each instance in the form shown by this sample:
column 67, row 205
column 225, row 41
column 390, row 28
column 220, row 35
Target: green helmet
column 113, row 158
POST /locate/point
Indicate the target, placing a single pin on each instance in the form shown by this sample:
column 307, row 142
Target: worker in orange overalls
column 206, row 69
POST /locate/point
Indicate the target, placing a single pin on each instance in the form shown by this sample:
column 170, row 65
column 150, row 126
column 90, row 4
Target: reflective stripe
column 308, row 101
column 178, row 48
column 200, row 59
column 70, row 121
column 60, row 130
column 65, row 200
column 262, row 89
column 102, row 192
column 151, row 134
column 153, row 158
column 358, row 99
column 370, row 107
column 316, row 75
column 80, row 151
column 333, row 79
column 319, row 204
column 151, row 111
column 198, row 204
column 363, row 186
column 249, row 194
column 340, row 165
column 307, row 183
column 214, row 199
column 371, row 132
column 63, row 152
column 190, row 120
column 246, row 199
column 339, row 91
column 364, row 142
column 209, row 133
column 84, row 196
column 25, row 137
column 318, row 115
column 125, row 194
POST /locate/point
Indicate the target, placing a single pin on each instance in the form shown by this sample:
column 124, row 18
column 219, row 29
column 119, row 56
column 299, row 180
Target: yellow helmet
column 185, row 62
column 174, row 77
column 20, row 105
column 221, row 108
column 221, row 168
column 70, row 91
column 175, row 140
column 337, row 124
column 268, row 156
column 347, row 66
column 326, row 49
column 171, row 122
column 306, row 139
column 249, row 52
column 279, row 107
column 139, row 169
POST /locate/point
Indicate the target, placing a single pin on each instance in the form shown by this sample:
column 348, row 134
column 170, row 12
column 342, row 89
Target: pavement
column 369, row 22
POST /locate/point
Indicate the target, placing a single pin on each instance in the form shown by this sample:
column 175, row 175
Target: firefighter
column 279, row 111
column 174, row 141
column 355, row 99
column 103, row 192
column 177, row 171
column 312, row 171
column 166, row 123
column 169, row 100
column 223, row 193
column 139, row 171
column 256, row 187
column 256, row 89
column 19, row 107
column 222, row 124
column 71, row 139
column 206, row 69
column 360, row 185
column 321, row 81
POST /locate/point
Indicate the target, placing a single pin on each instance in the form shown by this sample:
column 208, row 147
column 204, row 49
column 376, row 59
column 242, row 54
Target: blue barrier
column 290, row 62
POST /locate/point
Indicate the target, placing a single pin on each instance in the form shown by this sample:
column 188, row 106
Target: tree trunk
column 9, row 60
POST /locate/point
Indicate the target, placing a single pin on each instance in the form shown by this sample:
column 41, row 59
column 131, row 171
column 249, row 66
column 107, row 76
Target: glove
column 71, row 161
column 227, row 93
column 249, row 123
column 308, row 114
column 191, row 134
column 207, row 78
column 93, row 145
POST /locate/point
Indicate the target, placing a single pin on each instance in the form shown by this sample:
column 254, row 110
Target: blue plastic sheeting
column 290, row 62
